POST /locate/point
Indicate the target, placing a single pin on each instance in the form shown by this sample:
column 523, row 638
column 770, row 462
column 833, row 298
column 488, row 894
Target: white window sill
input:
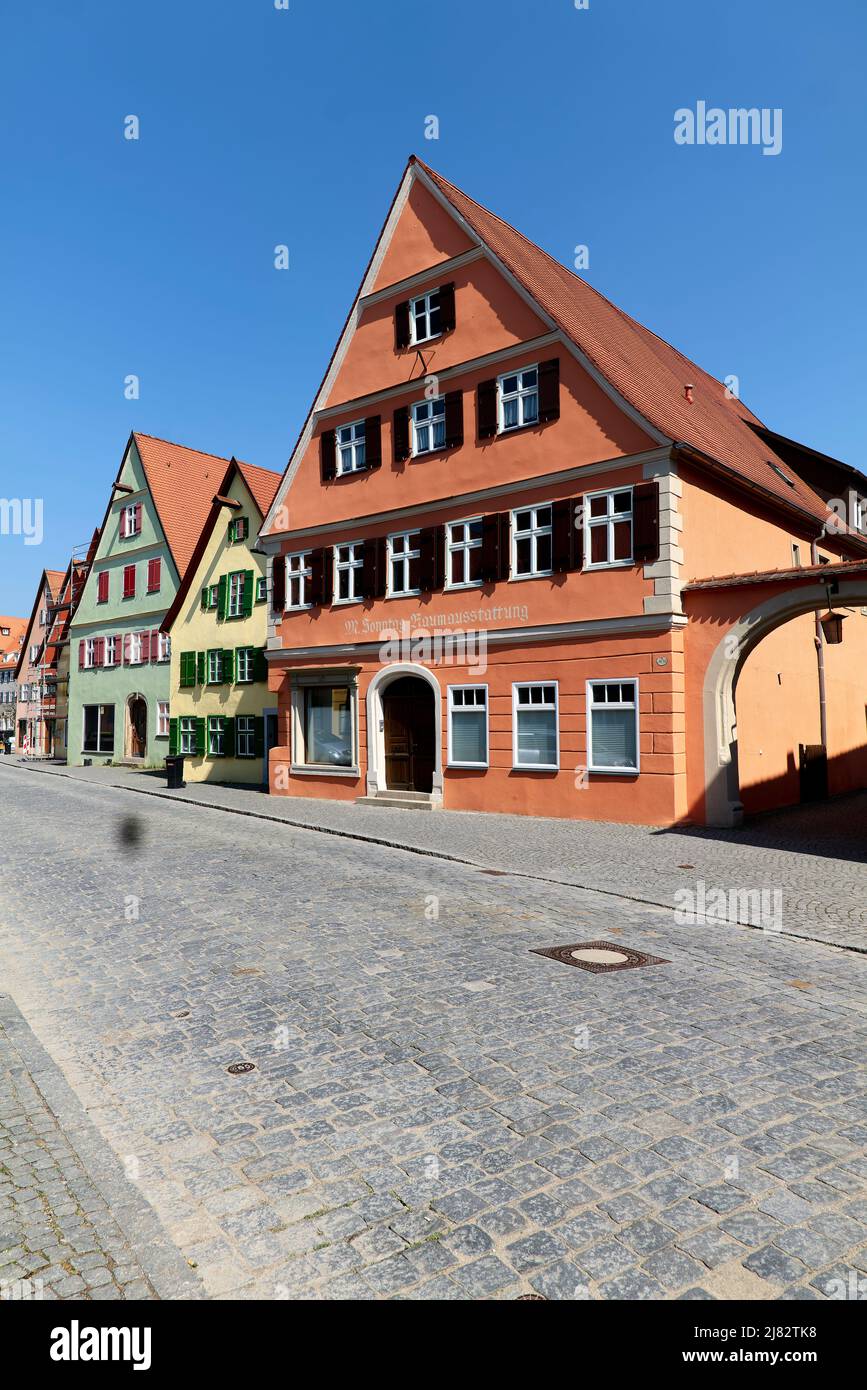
column 298, row 608
column 537, row 574
column 535, row 767
column 345, row 602
column 470, row 584
column 615, row 771
column 406, row 593
column 609, row 565
column 473, row 767
column 302, row 770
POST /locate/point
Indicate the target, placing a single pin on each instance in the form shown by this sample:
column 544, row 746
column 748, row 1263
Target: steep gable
column 425, row 235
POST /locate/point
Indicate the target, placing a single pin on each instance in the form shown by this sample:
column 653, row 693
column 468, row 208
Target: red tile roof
column 840, row 569
column 10, row 646
column 645, row 370
column 262, row 482
column 182, row 482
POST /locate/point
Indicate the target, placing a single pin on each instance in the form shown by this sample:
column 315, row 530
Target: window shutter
column 278, row 583
column 447, row 307
column 98, row 650
column 205, row 597
column 200, row 668
column 228, row 666
column 138, row 516
column 578, row 506
column 490, row 568
column 200, row 734
column 317, row 577
column 563, row 535
column 645, row 523
column 173, row 737
column 368, row 569
column 81, row 656
column 229, row 738
column 122, row 524
column 247, row 596
column 486, row 408
column 260, row 665
column 222, row 593
column 400, row 434
column 327, row 455
column 401, row 325
column 373, row 441
column 504, row 545
column 430, row 564
column 127, row 644
column 549, row 390
column 102, row 587
column 155, row 645
column 381, row 567
column 258, row 735
column 454, row 419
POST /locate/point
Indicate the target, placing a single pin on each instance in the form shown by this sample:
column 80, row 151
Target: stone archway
column 376, row 717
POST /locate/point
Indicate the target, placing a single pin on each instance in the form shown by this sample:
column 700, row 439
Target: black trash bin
column 175, row 772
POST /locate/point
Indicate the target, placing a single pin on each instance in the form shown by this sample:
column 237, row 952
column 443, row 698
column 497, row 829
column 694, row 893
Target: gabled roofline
column 26, row 646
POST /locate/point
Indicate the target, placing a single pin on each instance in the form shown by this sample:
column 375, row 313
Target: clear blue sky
column 261, row 126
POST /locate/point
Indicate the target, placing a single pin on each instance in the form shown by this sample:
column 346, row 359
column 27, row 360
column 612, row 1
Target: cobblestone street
column 434, row 1111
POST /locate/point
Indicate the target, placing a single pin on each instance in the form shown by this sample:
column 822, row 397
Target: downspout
column 820, row 659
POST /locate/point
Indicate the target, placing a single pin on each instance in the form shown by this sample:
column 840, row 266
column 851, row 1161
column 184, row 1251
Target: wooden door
column 138, row 716
column 408, row 711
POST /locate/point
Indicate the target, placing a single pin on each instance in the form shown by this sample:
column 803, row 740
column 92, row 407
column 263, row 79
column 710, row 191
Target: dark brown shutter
column 400, row 434
column 327, row 455
column 504, row 547
column 373, row 441
column 401, row 325
column 368, row 569
column 496, row 558
column 486, row 408
column 563, row 535
column 431, row 543
column 645, row 523
column 549, row 390
column 447, row 308
column 278, row 583
column 321, row 561
column 454, row 419
column 381, row 567
column 578, row 510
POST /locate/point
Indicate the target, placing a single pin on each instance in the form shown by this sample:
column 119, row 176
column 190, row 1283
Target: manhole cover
column 240, row 1068
column 530, row 1298
column 599, row 956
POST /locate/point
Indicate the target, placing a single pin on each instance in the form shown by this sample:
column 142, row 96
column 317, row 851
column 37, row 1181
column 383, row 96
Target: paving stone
column 633, row 1286
column 771, row 1263
column 711, row 1247
column 561, row 1281
column 532, row 1251
column 645, row 1235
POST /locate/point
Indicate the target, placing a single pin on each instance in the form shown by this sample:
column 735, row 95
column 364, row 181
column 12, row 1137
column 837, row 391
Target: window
column 519, row 399
column 235, row 600
column 424, row 317
column 535, row 735
column 154, row 568
column 213, row 592
column 239, row 529
column 129, row 581
column 531, row 541
column 162, row 718
column 608, row 528
column 796, row 555
column 327, row 726
column 261, row 589
column 350, row 447
column 464, row 553
column 34, row 653
column 428, row 426
column 612, row 726
column 468, row 726
column 245, row 736
column 98, row 729
column 216, row 735
column 135, row 648
column 245, row 657
column 188, row 734
column 297, row 580
column 348, row 564
column 164, row 646
column 111, row 652
column 402, row 550
column 131, row 524
column 102, row 587
column 215, row 667
column 90, row 651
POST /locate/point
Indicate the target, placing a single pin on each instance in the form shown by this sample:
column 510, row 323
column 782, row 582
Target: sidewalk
column 814, row 856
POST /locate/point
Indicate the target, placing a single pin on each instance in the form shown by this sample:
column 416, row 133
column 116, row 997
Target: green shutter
column 231, row 533
column 173, row 737
column 260, row 665
column 259, row 735
column 247, row 596
column 200, row 737
column 229, row 738
column 205, row 599
column 228, row 666
column 188, row 668
column 222, row 594
column 200, row 668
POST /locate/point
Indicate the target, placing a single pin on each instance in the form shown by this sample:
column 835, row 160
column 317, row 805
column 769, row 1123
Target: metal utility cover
column 599, row 957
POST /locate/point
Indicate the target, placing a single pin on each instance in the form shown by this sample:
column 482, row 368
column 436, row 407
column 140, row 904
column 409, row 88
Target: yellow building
column 218, row 711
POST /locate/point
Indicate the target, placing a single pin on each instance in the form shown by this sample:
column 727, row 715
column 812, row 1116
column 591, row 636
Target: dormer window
column 425, row 317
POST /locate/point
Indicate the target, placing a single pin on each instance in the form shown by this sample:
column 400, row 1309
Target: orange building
column 491, row 554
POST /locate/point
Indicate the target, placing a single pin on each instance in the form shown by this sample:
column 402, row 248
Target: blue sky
column 262, row 126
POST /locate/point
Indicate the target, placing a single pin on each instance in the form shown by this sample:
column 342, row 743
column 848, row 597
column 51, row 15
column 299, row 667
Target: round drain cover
column 597, row 956
column 240, row 1068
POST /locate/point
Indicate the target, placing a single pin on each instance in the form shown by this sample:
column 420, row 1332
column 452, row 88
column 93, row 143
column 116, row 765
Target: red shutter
column 127, row 641
column 327, row 455
column 400, row 434
column 129, row 581
column 454, row 419
column 138, row 516
column 278, row 583
column 99, row 652
column 447, row 307
column 122, row 523
column 155, row 645
column 401, row 325
column 373, row 441
column 645, row 523
column 81, row 656
column 154, row 567
column 486, row 408
column 102, row 587
column 549, row 390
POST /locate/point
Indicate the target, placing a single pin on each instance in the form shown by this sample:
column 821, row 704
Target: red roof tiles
column 182, row 482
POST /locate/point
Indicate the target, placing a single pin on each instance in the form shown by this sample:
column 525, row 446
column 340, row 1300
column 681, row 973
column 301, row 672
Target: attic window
column 780, row 474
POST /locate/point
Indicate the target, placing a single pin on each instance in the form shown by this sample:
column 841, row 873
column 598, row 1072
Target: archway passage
column 138, row 726
column 409, row 731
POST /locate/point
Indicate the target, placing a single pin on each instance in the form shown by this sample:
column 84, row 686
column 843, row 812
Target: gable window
column 612, row 726
column 532, row 541
column 244, row 667
column 402, row 550
column 235, row 597
column 245, row 735
column 102, row 587
column 239, row 529
column 348, row 563
column 131, row 520
column 98, row 729
column 350, row 447
column 428, row 426
column 216, row 735
column 425, row 317
column 215, row 667
column 154, row 569
column 464, row 553
column 535, row 735
column 468, row 726
column 519, row 399
column 298, row 580
column 129, row 581
column 608, row 528
column 162, row 718
column 90, row 652
column 187, row 729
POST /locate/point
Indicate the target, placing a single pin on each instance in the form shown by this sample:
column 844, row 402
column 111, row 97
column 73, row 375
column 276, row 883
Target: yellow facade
column 233, row 689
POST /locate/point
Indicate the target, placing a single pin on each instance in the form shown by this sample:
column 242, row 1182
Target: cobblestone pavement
column 815, row 856
column 434, row 1111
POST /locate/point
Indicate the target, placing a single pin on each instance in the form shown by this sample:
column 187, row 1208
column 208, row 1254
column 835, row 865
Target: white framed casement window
column 323, row 728
column 135, row 649
column 216, row 735
column 403, row 548
column 261, row 589
column 612, row 726
column 532, row 542
column 468, row 726
column 89, row 651
column 518, row 399
column 424, row 317
column 245, row 727
column 348, row 566
column 164, row 647
column 464, row 554
column 350, row 447
column 215, row 667
column 428, row 426
column 132, row 520
column 235, row 596
column 244, row 665
column 162, row 718
column 298, row 580
column 608, row 528
column 187, row 731
column 213, row 595
column 536, row 726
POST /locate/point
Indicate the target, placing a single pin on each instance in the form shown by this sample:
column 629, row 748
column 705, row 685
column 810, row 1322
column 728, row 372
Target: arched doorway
column 408, row 735
column 136, row 726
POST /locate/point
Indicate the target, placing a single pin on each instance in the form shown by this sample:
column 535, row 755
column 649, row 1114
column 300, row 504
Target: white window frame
column 245, row 737
column 429, row 424
column 110, row 653
column 614, row 704
column 299, row 737
column 162, row 718
column 520, row 395
column 187, row 736
column 298, row 570
column 135, row 651
column 261, row 589
column 463, row 547
column 89, row 652
column 410, row 552
column 593, row 523
column 352, row 567
column 420, row 310
column 218, row 653
column 250, row 662
column 129, row 527
column 220, row 733
column 533, row 532
column 529, row 685
column 164, row 647
column 213, row 596
column 355, row 442
column 452, row 761
column 235, row 596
